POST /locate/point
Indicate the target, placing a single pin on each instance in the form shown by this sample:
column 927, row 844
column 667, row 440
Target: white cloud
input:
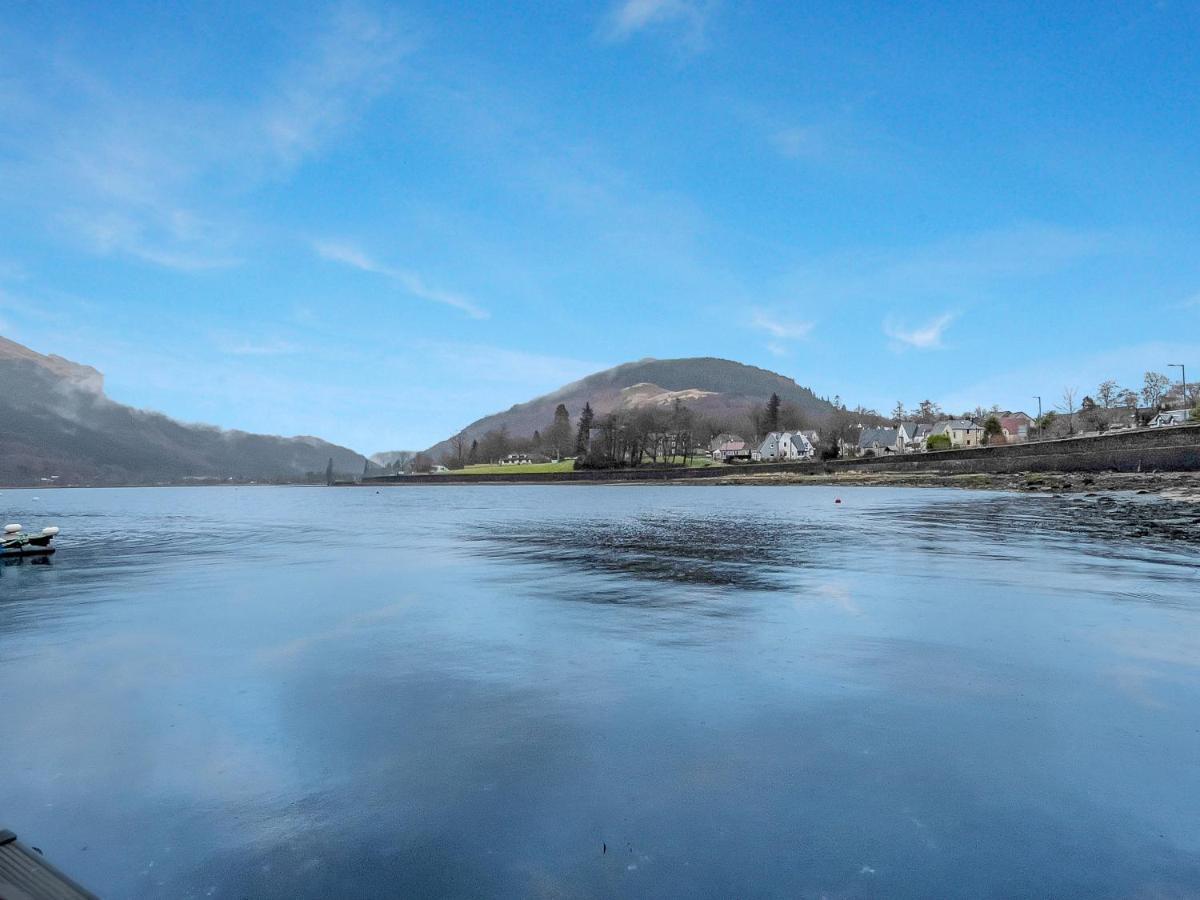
column 482, row 362
column 923, row 337
column 129, row 173
column 352, row 256
column 266, row 347
column 780, row 328
column 629, row 17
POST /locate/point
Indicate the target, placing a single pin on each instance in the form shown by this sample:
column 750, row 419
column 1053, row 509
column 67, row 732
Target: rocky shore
column 1178, row 486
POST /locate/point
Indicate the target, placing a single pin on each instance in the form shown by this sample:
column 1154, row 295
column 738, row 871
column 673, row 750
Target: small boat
column 16, row 542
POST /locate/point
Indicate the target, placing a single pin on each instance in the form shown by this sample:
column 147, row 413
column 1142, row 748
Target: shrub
column 938, row 442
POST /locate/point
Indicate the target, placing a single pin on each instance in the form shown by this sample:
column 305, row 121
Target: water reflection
column 603, row 692
column 730, row 551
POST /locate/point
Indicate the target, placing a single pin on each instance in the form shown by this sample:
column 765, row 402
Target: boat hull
column 27, row 551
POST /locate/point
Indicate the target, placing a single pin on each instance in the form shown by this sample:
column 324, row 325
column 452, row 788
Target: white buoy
column 11, row 529
column 51, row 530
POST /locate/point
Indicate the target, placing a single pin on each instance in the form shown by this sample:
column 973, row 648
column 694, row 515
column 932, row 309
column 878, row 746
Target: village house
column 880, row 440
column 812, row 437
column 785, row 445
column 517, row 459
column 1015, row 427
column 913, row 436
column 962, row 432
column 733, row 451
column 721, row 439
column 1170, row 417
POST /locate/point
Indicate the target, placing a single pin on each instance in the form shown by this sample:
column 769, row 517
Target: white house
column 1170, row 417
column 785, row 445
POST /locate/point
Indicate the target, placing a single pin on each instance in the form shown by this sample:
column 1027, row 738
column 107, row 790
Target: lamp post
column 1039, row 421
column 1182, row 380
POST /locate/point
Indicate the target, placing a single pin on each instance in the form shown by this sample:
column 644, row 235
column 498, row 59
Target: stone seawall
column 1174, row 449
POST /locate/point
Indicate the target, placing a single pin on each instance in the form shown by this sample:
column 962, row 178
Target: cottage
column 721, row 439
column 733, row 451
column 1015, row 427
column 880, row 440
column 438, row 469
column 1170, row 417
column 962, row 432
column 913, row 436
column 785, row 445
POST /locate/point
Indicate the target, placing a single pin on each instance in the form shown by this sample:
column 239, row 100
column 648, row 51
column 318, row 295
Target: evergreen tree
column 558, row 437
column 771, row 420
column 584, row 436
column 329, row 472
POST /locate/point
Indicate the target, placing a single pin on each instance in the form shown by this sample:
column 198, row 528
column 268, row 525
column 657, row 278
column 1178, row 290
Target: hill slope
column 717, row 389
column 56, row 420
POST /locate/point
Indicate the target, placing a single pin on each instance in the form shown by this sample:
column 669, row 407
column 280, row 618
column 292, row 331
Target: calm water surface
column 473, row 691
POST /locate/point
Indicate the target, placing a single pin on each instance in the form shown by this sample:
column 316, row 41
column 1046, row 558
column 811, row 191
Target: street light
column 1182, row 380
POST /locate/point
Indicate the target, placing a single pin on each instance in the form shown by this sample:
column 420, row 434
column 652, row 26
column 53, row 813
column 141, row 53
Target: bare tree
column 1154, row 387
column 899, row 412
column 1108, row 393
column 1067, row 406
column 458, row 450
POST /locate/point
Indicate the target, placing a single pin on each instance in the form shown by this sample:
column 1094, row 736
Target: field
column 564, row 465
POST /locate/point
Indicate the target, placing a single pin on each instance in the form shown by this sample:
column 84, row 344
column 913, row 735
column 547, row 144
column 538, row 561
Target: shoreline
column 1178, row 486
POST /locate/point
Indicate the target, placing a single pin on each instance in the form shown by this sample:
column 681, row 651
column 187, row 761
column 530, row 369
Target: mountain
column 55, row 420
column 719, row 390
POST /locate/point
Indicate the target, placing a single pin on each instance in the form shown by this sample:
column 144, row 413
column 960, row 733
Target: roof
column 885, row 437
column 958, row 425
column 1014, row 424
column 732, row 447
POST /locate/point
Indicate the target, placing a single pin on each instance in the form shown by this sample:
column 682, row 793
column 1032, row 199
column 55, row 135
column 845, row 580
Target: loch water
column 586, row 691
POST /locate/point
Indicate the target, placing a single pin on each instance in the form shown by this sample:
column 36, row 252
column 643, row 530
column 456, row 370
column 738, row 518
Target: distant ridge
column 719, row 389
column 55, row 420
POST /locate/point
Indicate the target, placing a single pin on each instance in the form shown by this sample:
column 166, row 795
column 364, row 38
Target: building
column 438, row 469
column 962, row 432
column 812, row 437
column 880, row 440
column 733, row 451
column 913, row 436
column 786, row 445
column 721, row 439
column 516, row 459
column 1170, row 417
column 1015, row 427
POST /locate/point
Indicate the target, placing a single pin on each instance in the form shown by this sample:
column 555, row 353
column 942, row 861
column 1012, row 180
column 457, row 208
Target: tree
column 937, row 442
column 473, row 453
column 583, row 437
column 1087, row 404
column 494, row 445
column 1154, row 387
column 558, row 435
column 458, row 451
column 928, row 412
column 366, row 467
column 1108, row 394
column 329, row 471
column 992, row 431
column 899, row 412
column 1067, row 406
column 771, row 419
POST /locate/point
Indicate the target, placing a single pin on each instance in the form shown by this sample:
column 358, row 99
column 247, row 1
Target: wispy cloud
column 352, row 256
column 629, row 17
column 159, row 180
column 483, row 362
column 923, row 337
column 781, row 328
column 261, row 347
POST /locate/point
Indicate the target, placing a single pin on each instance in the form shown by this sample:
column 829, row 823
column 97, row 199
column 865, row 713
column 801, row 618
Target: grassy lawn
column 565, row 465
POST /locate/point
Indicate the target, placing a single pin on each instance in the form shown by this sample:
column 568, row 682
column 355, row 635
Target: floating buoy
column 838, row 500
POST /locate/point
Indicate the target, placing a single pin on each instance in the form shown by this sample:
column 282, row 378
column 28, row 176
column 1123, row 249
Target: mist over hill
column 717, row 390
column 55, row 420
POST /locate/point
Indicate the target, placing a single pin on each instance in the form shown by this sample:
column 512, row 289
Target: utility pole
column 1183, row 380
column 1039, row 400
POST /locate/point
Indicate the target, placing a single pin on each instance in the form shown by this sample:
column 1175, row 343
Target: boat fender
column 11, row 529
column 51, row 530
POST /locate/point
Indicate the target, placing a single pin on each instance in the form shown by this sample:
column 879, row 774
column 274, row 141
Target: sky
column 376, row 222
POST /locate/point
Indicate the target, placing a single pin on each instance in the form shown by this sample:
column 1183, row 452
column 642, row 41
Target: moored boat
column 15, row 541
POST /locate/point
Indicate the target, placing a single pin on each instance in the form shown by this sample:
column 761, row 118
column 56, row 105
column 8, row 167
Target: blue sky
column 376, row 222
